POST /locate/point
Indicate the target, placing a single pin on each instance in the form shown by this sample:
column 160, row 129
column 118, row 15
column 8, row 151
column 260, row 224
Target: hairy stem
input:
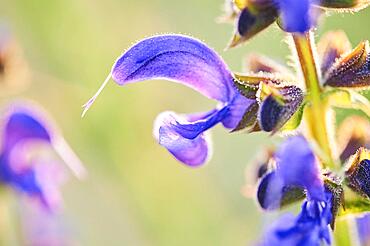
column 316, row 109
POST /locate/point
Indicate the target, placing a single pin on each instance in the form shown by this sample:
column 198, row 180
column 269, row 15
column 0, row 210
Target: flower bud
column 353, row 133
column 250, row 22
column 352, row 70
column 278, row 107
column 353, row 5
column 358, row 173
column 330, row 47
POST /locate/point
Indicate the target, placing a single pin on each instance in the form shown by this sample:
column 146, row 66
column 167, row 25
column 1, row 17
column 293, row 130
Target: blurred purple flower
column 363, row 228
column 190, row 62
column 297, row 166
column 26, row 132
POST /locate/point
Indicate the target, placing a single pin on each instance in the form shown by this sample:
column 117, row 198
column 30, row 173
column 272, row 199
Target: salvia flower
column 293, row 16
column 26, row 129
column 190, row 62
column 297, row 166
column 310, row 227
column 343, row 72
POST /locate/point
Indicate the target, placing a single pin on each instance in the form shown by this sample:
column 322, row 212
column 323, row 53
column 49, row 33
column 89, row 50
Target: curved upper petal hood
column 177, row 58
column 293, row 158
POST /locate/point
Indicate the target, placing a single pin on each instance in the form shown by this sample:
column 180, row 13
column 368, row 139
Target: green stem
column 316, row 109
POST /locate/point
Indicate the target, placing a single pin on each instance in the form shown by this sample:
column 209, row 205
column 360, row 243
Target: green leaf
column 249, row 118
column 350, row 99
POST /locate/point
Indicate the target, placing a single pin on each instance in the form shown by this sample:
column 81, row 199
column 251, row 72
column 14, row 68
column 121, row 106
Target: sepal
column 278, row 107
column 296, row 119
column 251, row 22
column 351, row 70
column 248, row 85
column 331, row 47
column 256, row 63
column 278, row 102
column 270, row 200
column 249, row 118
column 353, row 133
column 333, row 184
column 351, row 5
column 357, row 175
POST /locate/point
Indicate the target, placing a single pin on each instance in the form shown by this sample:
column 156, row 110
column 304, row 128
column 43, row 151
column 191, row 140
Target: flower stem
column 316, row 109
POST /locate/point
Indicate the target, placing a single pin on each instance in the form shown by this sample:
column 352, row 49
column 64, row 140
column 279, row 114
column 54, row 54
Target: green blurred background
column 136, row 193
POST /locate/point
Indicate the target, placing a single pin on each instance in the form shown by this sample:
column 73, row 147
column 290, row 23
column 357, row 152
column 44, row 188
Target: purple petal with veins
column 190, row 62
column 295, row 157
column 177, row 58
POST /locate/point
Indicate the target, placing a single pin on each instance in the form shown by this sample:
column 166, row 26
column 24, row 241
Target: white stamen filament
column 87, row 105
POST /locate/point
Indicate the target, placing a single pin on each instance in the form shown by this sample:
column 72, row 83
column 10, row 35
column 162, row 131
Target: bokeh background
column 136, row 193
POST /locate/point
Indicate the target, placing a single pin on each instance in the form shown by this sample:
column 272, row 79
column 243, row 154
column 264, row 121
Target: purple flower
column 254, row 16
column 190, row 62
column 363, row 228
column 310, row 227
column 296, row 166
column 293, row 158
column 26, row 133
column 297, row 16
